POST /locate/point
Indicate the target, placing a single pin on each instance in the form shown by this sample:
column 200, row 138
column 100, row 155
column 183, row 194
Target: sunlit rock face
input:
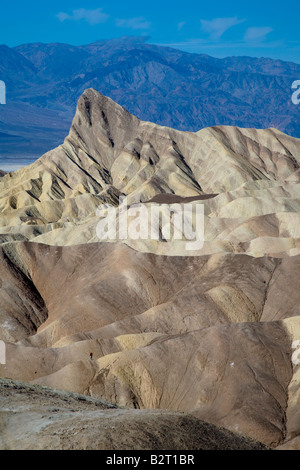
column 211, row 331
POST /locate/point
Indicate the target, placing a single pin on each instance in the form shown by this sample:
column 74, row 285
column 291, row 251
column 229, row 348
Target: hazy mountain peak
column 155, row 83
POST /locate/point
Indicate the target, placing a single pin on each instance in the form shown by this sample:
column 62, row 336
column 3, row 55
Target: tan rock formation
column 252, row 174
column 209, row 332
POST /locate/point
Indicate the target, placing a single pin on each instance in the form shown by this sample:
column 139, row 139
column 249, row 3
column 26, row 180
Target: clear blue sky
column 256, row 28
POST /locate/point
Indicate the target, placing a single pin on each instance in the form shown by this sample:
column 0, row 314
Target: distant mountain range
column 159, row 84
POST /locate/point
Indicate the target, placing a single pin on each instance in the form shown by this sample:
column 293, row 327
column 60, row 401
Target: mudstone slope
column 209, row 332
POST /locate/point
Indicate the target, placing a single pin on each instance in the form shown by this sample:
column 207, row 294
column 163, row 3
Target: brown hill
column 39, row 418
column 209, row 333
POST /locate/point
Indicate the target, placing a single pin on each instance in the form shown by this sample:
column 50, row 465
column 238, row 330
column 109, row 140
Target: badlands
column 208, row 335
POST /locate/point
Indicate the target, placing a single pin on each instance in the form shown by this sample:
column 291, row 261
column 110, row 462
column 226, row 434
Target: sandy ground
column 39, row 418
